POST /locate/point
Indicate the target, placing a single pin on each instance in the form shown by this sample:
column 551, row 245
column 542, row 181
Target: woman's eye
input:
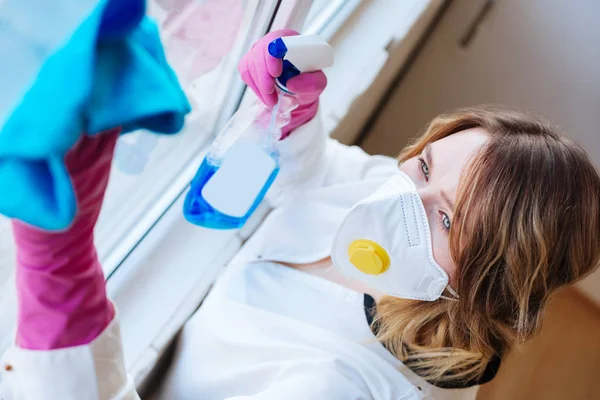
column 424, row 168
column 445, row 221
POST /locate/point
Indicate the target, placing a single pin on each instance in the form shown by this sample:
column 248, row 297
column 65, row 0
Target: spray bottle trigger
column 278, row 49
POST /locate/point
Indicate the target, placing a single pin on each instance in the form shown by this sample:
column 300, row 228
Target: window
column 317, row 9
column 150, row 171
column 203, row 41
column 326, row 17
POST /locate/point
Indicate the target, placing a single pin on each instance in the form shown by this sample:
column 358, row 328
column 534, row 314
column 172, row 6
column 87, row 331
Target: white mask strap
column 449, row 298
column 452, row 292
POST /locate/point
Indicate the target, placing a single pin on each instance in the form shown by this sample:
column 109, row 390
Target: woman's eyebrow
column 428, row 154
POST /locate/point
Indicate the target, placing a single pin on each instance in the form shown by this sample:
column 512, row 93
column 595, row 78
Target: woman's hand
column 60, row 285
column 259, row 70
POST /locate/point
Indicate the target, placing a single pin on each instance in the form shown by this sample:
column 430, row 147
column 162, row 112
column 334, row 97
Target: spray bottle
column 243, row 160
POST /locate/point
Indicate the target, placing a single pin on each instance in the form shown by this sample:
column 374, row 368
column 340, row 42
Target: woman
column 367, row 281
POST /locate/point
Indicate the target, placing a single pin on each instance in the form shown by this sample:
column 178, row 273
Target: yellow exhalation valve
column 368, row 257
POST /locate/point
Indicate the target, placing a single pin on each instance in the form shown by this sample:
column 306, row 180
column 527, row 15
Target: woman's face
column 436, row 173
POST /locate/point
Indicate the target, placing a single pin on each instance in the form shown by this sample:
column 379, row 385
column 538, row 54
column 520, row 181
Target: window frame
column 265, row 19
column 259, row 25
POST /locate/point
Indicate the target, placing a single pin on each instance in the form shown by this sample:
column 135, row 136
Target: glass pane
column 203, row 41
column 326, row 17
column 200, row 39
column 318, row 6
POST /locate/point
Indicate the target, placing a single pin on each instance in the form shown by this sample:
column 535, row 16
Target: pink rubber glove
column 259, row 70
column 60, row 286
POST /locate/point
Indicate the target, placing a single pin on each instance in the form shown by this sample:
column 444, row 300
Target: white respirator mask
column 385, row 242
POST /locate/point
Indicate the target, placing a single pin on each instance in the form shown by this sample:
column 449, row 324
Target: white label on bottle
column 242, row 175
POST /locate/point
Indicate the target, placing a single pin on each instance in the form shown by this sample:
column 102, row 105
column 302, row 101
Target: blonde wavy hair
column 527, row 223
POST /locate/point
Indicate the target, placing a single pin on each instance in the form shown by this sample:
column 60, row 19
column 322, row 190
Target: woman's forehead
column 450, row 155
column 455, row 151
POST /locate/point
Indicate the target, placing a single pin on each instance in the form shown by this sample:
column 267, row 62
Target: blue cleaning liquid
column 199, row 212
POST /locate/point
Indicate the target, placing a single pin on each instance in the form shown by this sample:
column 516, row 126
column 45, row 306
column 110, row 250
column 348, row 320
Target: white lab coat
column 266, row 331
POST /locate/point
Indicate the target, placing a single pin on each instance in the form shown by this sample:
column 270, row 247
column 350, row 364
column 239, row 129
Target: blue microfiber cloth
column 111, row 71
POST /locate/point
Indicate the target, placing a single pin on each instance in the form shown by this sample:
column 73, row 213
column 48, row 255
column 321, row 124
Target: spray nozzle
column 301, row 53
